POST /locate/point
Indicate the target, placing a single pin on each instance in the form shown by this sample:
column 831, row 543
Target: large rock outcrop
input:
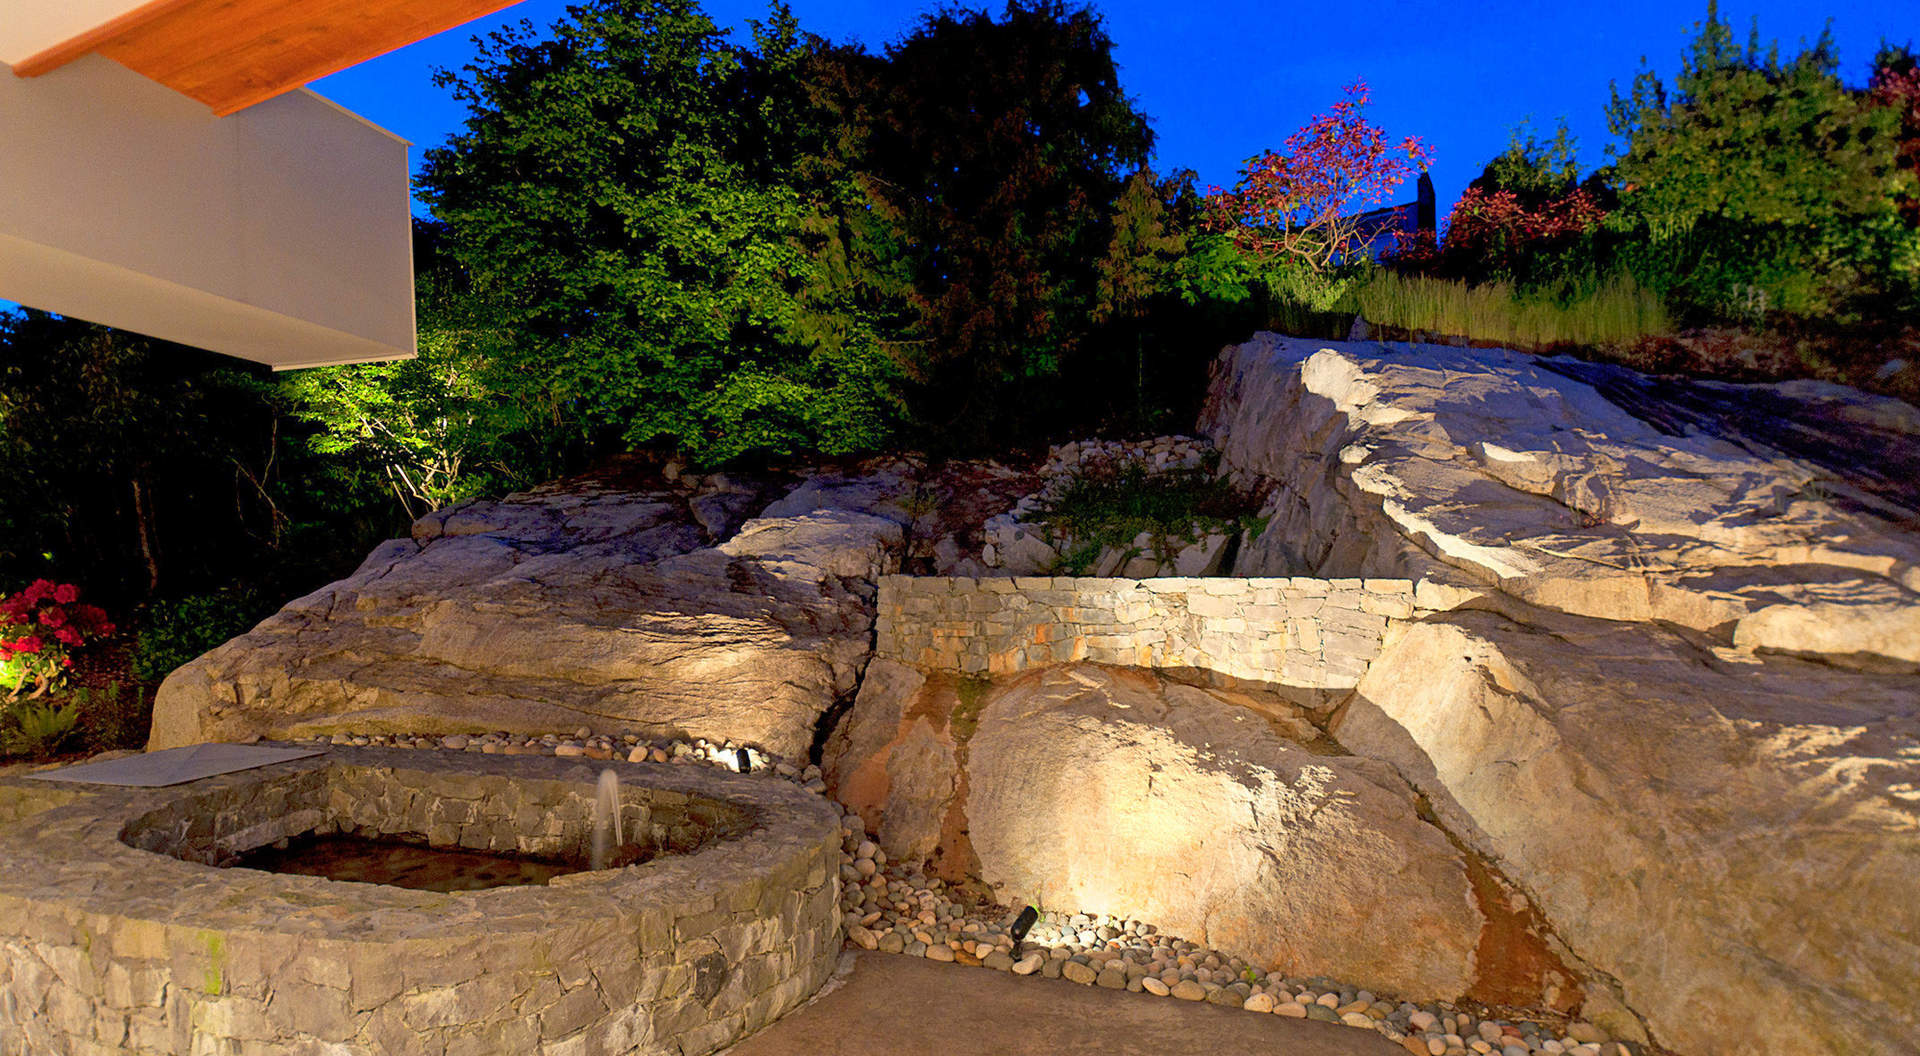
column 1222, row 816
column 1778, row 518
column 575, row 605
column 1736, row 842
column 1683, row 718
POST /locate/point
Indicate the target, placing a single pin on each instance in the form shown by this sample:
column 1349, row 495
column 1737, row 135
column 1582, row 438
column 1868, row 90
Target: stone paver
column 893, row 1005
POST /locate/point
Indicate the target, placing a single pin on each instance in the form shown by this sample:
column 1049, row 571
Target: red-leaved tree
column 1896, row 86
column 1495, row 225
column 1304, row 201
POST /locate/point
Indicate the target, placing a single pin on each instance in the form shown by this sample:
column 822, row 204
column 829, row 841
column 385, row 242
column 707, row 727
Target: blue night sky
column 1224, row 79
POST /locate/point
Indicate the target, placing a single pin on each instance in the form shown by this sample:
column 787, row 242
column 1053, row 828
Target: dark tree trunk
column 143, row 523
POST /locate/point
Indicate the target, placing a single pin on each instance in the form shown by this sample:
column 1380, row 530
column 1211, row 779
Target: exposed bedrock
column 1222, row 816
column 1736, row 842
column 1685, row 719
column 574, row 605
column 1774, row 517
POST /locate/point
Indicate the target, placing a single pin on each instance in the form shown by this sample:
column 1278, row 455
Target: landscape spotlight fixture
column 1021, row 925
column 741, row 757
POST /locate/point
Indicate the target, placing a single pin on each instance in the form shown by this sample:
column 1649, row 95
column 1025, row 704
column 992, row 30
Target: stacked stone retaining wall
column 1315, row 633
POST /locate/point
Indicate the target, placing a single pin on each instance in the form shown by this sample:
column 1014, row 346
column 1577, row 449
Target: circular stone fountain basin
column 118, row 928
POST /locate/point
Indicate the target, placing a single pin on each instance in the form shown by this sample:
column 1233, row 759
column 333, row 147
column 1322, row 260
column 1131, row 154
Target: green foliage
column 995, row 150
column 970, row 695
column 423, row 425
column 1111, row 506
column 37, row 728
column 1533, row 168
column 130, row 464
column 112, row 716
column 1613, row 311
column 178, row 630
column 1144, row 253
column 1759, row 184
column 654, row 212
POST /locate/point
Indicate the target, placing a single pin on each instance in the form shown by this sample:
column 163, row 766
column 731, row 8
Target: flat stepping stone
column 173, row 766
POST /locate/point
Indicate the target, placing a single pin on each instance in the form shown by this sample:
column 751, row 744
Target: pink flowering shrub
column 39, row 629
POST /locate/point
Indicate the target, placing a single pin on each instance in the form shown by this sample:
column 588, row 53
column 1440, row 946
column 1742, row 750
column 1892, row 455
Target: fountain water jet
column 606, row 820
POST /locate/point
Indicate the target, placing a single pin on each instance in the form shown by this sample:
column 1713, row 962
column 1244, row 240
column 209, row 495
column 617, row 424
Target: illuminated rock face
column 1221, row 816
column 1736, row 843
column 1631, row 729
column 566, row 607
column 1775, row 517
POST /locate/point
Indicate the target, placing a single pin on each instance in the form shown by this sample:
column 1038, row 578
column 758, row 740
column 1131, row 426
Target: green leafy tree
column 1760, row 183
column 424, row 425
column 641, row 199
column 1144, row 253
column 1531, row 167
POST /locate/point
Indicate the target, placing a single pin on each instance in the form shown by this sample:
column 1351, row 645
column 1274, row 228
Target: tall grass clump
column 1612, row 311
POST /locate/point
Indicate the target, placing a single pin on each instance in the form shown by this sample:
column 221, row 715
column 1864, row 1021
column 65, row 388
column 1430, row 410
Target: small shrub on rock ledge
column 1113, row 508
column 1139, row 509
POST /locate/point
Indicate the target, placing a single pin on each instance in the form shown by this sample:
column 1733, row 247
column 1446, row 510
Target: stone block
column 1211, row 605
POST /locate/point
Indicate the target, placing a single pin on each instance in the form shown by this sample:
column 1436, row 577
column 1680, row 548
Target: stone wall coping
column 1159, row 585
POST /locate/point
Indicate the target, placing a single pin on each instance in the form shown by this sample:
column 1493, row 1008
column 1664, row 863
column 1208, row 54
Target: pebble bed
column 894, row 908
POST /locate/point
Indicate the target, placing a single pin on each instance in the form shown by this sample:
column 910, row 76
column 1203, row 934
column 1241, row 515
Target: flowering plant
column 1304, row 201
column 39, row 626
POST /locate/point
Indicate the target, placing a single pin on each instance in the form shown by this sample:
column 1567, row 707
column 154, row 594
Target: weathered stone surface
column 1735, row 842
column 1110, row 791
column 1304, row 633
column 566, row 607
column 892, row 759
column 685, row 951
column 1584, row 488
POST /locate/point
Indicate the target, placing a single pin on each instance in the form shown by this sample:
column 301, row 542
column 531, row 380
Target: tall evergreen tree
column 996, row 149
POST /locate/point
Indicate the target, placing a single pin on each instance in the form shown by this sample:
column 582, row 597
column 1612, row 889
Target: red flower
column 29, row 645
column 53, row 617
column 66, row 593
column 93, row 618
column 67, row 635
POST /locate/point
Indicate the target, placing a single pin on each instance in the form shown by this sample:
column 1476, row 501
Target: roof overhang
column 226, row 54
column 280, row 234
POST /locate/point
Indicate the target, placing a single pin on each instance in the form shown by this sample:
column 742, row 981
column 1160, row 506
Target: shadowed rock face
column 1686, row 723
column 570, row 606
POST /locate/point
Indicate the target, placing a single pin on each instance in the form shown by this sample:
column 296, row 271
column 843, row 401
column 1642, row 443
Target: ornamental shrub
column 1756, row 184
column 37, row 728
column 40, row 627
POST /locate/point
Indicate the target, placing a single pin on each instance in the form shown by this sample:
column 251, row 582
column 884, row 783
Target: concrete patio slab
column 894, row 1005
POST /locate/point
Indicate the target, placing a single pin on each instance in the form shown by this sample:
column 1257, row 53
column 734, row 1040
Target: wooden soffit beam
column 231, row 54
